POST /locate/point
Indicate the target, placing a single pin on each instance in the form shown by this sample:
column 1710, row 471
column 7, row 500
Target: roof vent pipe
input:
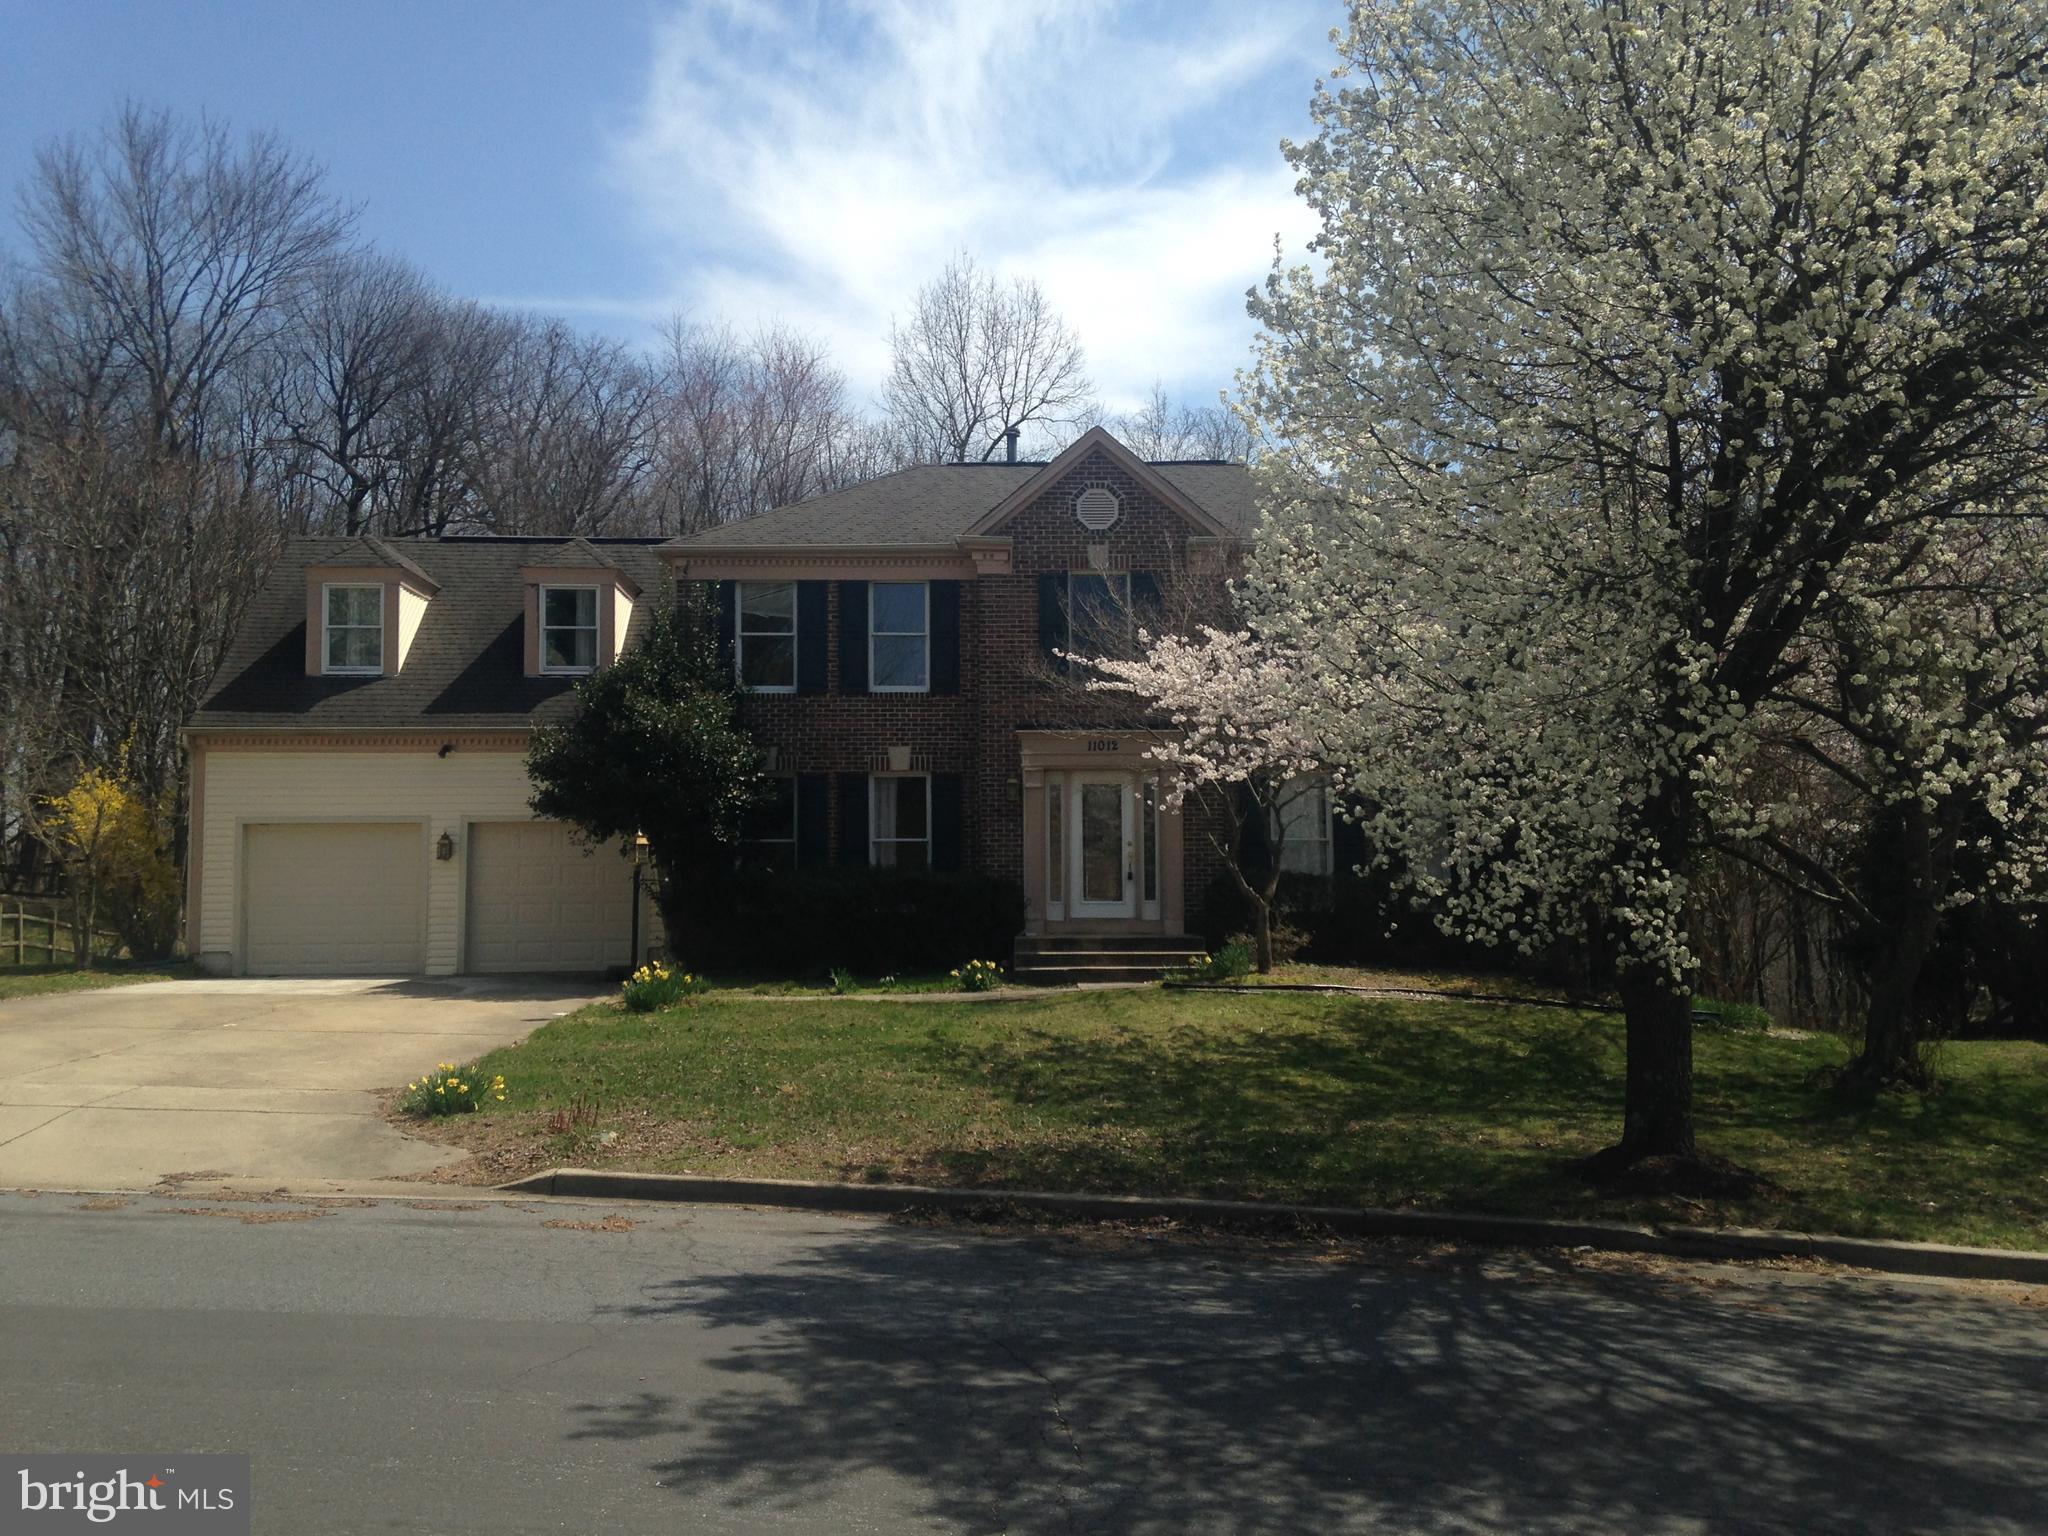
column 1009, row 445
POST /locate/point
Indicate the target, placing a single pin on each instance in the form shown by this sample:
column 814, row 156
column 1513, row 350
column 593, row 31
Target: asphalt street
column 430, row 1368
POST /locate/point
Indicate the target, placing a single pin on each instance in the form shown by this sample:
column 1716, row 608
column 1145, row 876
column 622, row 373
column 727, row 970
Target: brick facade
column 1006, row 684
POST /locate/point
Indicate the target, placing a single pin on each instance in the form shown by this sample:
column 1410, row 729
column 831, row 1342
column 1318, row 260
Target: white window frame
column 795, row 818
column 1056, row 847
column 1148, row 812
column 596, row 629
column 875, row 780
column 1325, row 839
column 327, row 627
column 924, row 687
column 739, row 637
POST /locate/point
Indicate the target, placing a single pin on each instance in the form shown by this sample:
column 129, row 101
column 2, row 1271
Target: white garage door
column 334, row 899
column 541, row 901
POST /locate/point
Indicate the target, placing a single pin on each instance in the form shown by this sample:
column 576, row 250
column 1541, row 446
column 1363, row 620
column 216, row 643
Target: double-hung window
column 901, row 821
column 354, row 640
column 568, row 629
column 768, row 836
column 765, row 636
column 899, row 637
column 1099, row 614
column 1301, row 818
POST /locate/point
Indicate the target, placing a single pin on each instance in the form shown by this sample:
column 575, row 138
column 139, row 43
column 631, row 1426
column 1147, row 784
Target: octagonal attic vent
column 1096, row 509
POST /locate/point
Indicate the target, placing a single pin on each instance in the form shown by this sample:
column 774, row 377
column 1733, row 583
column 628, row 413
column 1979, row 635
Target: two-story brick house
column 359, row 800
column 901, row 642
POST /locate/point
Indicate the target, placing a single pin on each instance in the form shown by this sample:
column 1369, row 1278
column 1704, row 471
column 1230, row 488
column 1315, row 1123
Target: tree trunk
column 1657, row 1103
column 1657, row 1097
column 1262, row 934
column 1890, row 1057
column 81, row 947
column 675, row 900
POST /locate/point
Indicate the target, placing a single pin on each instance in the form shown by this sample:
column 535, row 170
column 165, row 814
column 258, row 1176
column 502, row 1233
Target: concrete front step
column 1069, row 958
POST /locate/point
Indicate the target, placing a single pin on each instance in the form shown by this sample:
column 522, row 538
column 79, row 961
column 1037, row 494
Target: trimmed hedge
column 1352, row 920
column 873, row 922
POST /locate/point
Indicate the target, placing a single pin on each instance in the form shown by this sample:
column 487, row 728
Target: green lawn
column 40, row 980
column 1301, row 1096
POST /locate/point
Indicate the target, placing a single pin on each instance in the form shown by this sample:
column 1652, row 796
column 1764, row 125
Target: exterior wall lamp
column 444, row 847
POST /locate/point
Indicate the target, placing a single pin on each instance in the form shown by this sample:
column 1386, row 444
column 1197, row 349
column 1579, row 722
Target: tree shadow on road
column 1010, row 1386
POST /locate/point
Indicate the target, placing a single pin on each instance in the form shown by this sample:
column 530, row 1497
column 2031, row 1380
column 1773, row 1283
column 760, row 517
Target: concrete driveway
column 239, row 1079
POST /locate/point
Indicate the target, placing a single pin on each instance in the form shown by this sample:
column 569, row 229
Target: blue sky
column 616, row 162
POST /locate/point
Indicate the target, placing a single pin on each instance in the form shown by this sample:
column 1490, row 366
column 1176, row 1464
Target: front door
column 1103, row 858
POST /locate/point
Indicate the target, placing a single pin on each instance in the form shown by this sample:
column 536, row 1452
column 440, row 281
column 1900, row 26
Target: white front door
column 1102, row 860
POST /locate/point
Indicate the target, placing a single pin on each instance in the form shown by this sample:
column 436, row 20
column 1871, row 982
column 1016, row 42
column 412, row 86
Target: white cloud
column 816, row 168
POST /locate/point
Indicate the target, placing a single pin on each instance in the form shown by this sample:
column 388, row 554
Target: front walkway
column 124, row 1088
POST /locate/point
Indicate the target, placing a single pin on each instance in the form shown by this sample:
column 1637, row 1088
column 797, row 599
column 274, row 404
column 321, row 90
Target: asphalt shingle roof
column 466, row 667
column 937, row 503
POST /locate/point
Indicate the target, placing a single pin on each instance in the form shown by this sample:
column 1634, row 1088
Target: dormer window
column 577, row 612
column 568, row 629
column 353, row 629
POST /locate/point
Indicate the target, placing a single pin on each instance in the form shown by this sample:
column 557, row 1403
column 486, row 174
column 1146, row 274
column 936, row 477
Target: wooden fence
column 39, row 933
column 38, row 882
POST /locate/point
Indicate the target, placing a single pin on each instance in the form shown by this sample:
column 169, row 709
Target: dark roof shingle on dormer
column 466, row 668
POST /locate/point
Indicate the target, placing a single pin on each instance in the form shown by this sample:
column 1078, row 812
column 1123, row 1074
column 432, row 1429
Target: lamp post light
column 636, row 850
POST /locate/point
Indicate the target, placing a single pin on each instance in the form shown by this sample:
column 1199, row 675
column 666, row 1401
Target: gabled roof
column 365, row 549
column 935, row 505
column 579, row 554
column 467, row 664
column 1100, row 440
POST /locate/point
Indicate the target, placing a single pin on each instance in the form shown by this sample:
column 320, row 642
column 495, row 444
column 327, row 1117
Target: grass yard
column 41, row 980
column 1301, row 1096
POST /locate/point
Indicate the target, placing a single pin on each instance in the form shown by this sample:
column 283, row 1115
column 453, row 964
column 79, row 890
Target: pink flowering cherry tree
column 1229, row 734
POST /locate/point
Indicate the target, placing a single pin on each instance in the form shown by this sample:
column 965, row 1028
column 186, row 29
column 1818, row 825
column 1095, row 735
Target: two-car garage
column 415, row 862
column 351, row 899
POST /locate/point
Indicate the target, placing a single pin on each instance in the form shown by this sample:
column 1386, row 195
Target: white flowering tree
column 1923, row 700
column 1231, row 736
column 1630, row 326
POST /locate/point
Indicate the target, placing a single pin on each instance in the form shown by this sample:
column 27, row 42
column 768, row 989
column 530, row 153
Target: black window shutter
column 1052, row 616
column 810, row 636
column 945, row 821
column 1145, row 604
column 853, row 638
column 1255, row 846
column 1347, row 842
column 813, row 811
column 853, row 818
column 728, row 597
column 945, row 637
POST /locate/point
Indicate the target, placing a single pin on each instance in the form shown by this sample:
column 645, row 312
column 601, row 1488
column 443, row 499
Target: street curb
column 1936, row 1259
